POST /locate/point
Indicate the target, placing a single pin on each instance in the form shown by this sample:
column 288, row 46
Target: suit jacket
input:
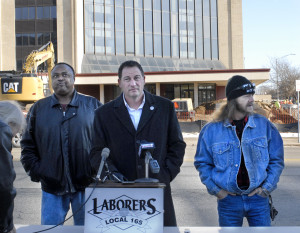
column 114, row 129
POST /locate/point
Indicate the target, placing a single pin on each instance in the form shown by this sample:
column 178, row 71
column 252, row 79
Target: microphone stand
column 110, row 175
column 147, row 179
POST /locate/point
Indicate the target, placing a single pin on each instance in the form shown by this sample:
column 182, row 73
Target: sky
column 271, row 29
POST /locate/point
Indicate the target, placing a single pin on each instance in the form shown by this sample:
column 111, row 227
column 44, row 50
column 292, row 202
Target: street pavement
column 193, row 205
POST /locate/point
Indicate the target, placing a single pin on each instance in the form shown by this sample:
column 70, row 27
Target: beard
column 246, row 110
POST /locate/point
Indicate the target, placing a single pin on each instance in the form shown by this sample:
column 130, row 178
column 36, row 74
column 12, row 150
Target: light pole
column 277, row 91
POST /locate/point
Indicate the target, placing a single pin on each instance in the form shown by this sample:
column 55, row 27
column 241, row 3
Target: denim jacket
column 218, row 155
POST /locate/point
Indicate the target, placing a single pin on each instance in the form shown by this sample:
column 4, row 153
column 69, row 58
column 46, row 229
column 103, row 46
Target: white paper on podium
column 114, row 210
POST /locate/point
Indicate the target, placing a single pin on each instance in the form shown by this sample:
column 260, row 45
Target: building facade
column 188, row 48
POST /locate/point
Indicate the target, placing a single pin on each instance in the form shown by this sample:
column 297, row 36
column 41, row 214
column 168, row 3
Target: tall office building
column 35, row 25
column 188, row 48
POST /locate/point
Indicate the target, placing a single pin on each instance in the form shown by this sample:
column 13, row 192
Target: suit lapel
column 149, row 109
column 123, row 115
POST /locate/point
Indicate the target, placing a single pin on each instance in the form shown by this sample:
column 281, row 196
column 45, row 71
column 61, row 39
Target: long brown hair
column 225, row 112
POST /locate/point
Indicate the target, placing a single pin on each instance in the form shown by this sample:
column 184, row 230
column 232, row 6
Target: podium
column 124, row 207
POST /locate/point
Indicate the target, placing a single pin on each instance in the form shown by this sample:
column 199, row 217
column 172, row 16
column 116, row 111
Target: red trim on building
column 181, row 72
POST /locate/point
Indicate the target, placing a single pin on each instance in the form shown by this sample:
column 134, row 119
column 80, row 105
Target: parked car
column 16, row 140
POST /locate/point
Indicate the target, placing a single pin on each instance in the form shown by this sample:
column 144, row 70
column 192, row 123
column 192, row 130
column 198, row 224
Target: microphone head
column 105, row 153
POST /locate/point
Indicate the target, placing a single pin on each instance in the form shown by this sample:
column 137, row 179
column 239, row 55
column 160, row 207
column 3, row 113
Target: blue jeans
column 232, row 210
column 56, row 207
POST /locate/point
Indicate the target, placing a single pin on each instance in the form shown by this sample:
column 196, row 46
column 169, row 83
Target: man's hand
column 258, row 191
column 223, row 193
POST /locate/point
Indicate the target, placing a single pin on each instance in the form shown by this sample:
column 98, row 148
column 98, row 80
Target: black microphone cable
column 97, row 181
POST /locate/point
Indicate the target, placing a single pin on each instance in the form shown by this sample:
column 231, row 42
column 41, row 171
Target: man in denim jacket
column 240, row 158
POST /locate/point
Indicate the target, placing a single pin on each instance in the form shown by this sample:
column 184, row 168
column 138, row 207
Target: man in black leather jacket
column 56, row 146
column 11, row 122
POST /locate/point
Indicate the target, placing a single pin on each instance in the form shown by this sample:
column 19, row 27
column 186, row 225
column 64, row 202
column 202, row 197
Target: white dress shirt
column 135, row 114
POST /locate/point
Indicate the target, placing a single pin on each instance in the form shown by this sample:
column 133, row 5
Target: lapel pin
column 151, row 108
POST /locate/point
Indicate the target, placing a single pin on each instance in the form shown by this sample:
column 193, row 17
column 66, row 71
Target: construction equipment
column 184, row 108
column 27, row 87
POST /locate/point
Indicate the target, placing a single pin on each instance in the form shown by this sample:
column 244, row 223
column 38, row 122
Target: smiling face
column 62, row 80
column 244, row 105
column 132, row 83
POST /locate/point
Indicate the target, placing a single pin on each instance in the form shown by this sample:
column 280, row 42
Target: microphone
column 145, row 146
column 145, row 149
column 104, row 155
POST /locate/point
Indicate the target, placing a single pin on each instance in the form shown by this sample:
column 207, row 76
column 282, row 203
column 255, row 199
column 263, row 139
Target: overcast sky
column 271, row 29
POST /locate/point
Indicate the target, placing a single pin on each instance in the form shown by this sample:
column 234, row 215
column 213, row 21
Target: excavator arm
column 37, row 57
column 26, row 87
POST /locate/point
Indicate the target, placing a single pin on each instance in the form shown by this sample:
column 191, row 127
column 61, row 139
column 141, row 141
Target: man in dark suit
column 134, row 116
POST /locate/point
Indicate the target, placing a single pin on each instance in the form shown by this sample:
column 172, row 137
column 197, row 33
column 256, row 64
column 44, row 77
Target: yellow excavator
column 27, row 87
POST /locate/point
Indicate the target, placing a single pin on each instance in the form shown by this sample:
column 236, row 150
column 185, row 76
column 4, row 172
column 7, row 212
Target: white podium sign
column 133, row 208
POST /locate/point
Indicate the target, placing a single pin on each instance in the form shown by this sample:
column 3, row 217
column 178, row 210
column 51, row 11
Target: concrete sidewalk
column 290, row 141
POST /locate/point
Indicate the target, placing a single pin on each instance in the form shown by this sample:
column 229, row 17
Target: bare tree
column 282, row 84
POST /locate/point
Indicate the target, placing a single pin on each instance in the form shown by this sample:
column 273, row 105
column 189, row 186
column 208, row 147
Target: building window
column 159, row 28
column 89, row 26
column 166, row 30
column 167, row 91
column 183, row 28
column 214, row 30
column 19, row 65
column 148, row 28
column 18, row 13
column 199, row 29
column 174, row 28
column 129, row 30
column 184, row 91
column 139, row 29
column 206, row 93
column 53, row 12
column 110, row 28
column 151, row 88
column 206, row 29
column 43, row 12
column 31, row 29
column 31, row 39
column 31, row 12
column 191, row 28
column 18, row 39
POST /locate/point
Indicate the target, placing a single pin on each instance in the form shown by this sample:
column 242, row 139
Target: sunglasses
column 248, row 88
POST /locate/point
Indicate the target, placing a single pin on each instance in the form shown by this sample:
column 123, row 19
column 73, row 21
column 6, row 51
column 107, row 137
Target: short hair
column 10, row 112
column 129, row 63
column 66, row 64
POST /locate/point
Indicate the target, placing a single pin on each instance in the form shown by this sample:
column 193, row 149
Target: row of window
column 160, row 28
column 25, row 39
column 35, row 12
column 206, row 92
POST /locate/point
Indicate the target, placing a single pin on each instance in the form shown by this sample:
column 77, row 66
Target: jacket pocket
column 260, row 148
column 222, row 155
column 50, row 170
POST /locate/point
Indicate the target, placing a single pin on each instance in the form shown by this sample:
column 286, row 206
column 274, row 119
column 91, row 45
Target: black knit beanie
column 235, row 82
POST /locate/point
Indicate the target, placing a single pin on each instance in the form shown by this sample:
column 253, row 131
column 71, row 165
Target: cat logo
column 11, row 85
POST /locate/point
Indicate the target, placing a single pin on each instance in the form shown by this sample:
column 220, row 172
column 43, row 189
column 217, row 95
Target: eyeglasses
column 248, row 88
